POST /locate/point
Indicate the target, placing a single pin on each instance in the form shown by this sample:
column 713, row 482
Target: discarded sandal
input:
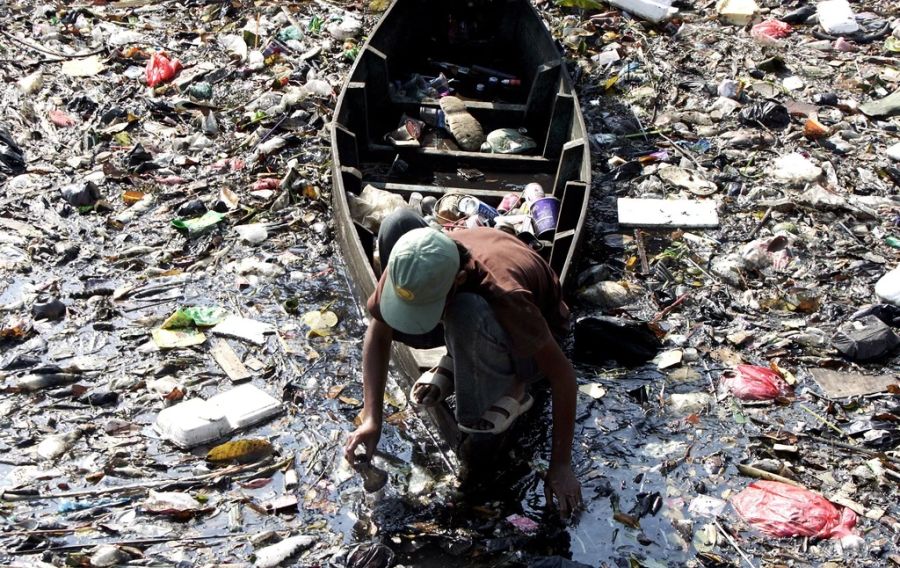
column 501, row 415
column 465, row 129
column 439, row 378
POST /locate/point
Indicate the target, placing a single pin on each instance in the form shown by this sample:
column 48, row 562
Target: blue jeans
column 484, row 367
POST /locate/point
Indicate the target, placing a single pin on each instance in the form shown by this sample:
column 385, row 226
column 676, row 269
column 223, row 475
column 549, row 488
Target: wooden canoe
column 510, row 40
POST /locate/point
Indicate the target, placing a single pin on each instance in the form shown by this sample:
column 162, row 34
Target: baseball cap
column 420, row 273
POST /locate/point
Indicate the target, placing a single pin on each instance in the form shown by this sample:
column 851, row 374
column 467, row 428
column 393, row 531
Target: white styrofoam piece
column 245, row 405
column 687, row 213
column 192, row 422
column 243, row 328
column 653, row 10
column 836, row 17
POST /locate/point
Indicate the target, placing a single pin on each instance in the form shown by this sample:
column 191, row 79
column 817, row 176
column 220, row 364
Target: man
column 500, row 304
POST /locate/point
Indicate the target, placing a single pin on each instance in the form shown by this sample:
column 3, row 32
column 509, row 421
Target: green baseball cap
column 420, row 273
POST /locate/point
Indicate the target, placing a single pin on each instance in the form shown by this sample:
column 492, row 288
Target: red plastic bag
column 771, row 29
column 161, row 69
column 750, row 382
column 783, row 510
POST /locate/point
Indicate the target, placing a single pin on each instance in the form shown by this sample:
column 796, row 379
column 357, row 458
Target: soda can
column 532, row 192
column 510, row 202
column 433, row 117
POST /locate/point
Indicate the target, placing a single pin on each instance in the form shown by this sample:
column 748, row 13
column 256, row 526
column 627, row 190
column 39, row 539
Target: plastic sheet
column 161, row 69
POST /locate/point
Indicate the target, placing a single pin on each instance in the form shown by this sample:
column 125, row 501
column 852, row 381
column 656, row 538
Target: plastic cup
column 545, row 213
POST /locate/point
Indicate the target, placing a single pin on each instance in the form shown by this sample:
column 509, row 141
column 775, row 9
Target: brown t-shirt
column 520, row 286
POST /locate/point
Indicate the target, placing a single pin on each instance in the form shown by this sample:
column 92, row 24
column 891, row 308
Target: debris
column 737, row 12
column 685, row 213
column 603, row 338
column 241, row 451
column 782, row 510
column 749, row 382
column 229, row 361
column 275, row 554
column 836, row 384
column 865, row 339
column 836, row 17
column 244, row 329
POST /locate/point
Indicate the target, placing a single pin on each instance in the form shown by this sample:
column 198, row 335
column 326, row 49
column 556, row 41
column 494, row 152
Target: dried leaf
column 241, row 451
column 581, row 4
column 335, row 391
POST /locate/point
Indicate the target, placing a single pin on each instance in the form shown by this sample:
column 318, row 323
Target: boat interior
column 479, row 40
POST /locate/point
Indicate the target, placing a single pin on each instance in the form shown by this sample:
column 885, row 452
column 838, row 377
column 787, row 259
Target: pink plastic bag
column 783, row 510
column 771, row 29
column 749, row 382
column 161, row 69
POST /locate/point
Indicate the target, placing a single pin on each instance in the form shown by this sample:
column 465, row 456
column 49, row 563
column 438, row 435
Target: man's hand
column 368, row 434
column 562, row 483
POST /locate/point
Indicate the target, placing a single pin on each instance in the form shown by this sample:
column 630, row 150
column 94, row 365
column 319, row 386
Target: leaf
column 593, row 390
column 335, row 391
column 320, row 322
column 379, row 5
column 171, row 339
column 241, row 451
column 86, row 67
column 582, row 4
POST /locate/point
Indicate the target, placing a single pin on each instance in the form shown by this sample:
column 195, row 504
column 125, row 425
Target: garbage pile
column 179, row 348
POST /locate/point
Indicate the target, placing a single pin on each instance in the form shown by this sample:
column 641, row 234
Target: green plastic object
column 892, row 241
column 197, row 225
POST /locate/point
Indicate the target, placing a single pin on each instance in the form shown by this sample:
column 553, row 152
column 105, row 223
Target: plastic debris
column 749, row 382
column 781, row 510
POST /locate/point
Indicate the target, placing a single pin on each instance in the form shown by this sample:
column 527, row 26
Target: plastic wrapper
column 781, row 510
column 771, row 29
column 749, row 382
column 161, row 69
column 865, row 339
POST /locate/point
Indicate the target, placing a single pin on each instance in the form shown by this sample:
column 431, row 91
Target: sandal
column 439, row 377
column 501, row 415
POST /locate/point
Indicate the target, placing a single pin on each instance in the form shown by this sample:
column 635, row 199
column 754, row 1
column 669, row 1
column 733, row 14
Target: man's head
column 424, row 265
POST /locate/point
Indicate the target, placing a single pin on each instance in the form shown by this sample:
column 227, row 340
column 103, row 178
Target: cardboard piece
column 229, row 361
column 843, row 385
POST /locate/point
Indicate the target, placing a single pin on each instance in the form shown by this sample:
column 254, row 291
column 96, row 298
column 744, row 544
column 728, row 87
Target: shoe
column 501, row 415
column 439, row 377
column 465, row 129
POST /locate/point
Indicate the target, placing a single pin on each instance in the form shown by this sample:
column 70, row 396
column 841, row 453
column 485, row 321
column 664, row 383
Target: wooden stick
column 642, row 252
column 731, row 541
column 757, row 473
column 136, row 542
column 136, row 487
column 823, row 420
column 762, row 222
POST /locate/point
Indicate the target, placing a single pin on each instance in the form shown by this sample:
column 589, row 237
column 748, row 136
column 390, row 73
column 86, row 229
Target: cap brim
column 412, row 319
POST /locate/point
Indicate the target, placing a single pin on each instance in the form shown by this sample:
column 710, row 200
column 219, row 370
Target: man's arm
column 561, row 480
column 376, row 355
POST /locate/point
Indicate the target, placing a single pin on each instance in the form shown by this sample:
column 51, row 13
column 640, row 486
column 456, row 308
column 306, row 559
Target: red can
column 510, row 202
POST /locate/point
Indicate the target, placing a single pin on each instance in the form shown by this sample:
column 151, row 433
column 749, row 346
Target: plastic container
column 546, row 214
column 532, row 192
column 246, row 405
column 192, row 423
column 195, row 422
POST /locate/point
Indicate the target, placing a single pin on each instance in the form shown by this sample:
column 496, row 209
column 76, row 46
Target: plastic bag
column 783, row 510
column 865, row 339
column 372, row 205
column 603, row 338
column 771, row 29
column 161, row 69
column 749, row 382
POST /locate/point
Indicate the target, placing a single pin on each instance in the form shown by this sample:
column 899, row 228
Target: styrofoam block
column 246, row 405
column 192, row 423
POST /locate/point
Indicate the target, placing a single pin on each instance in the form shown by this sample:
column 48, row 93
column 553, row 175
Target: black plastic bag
column 12, row 159
column 769, row 113
column 865, row 339
column 604, row 338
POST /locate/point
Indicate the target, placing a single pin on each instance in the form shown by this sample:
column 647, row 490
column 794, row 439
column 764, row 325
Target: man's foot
column 434, row 385
column 500, row 416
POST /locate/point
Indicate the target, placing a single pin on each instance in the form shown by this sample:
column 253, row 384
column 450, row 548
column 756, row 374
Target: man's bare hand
column 368, row 434
column 562, row 484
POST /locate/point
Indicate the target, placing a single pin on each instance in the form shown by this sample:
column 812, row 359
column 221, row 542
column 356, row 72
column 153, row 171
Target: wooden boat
column 509, row 39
